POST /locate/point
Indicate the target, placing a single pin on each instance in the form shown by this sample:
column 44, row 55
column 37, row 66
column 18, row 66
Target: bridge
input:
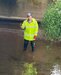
column 12, row 22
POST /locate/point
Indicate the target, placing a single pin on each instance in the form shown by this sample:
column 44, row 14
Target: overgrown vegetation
column 29, row 69
column 52, row 21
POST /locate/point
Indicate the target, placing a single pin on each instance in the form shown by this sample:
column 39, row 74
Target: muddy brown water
column 12, row 57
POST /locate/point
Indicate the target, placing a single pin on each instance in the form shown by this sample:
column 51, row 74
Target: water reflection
column 56, row 70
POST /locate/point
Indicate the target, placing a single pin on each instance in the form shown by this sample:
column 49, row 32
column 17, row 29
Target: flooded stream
column 46, row 57
column 12, row 58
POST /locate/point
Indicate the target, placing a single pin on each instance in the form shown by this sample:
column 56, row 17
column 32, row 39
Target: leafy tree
column 52, row 21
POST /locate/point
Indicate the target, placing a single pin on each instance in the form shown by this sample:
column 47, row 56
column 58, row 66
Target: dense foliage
column 52, row 21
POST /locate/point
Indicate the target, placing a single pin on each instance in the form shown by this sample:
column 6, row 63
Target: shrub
column 52, row 21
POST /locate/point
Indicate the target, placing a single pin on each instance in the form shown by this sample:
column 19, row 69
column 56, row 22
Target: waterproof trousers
column 26, row 44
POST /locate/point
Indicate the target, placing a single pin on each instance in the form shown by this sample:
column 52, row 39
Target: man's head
column 29, row 16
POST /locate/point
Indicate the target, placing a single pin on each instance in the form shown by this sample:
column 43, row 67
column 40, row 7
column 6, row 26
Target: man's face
column 29, row 17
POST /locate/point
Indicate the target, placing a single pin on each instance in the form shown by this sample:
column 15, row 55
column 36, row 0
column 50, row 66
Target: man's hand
column 22, row 28
column 35, row 37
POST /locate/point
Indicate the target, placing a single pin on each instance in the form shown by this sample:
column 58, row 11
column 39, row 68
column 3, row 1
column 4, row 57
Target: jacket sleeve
column 23, row 25
column 36, row 28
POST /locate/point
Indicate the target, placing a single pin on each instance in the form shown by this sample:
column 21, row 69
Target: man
column 30, row 27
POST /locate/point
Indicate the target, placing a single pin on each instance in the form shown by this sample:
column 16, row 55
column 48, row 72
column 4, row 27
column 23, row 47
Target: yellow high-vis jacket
column 30, row 29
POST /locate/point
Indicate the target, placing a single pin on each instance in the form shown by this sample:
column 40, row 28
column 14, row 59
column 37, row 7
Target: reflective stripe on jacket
column 30, row 29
